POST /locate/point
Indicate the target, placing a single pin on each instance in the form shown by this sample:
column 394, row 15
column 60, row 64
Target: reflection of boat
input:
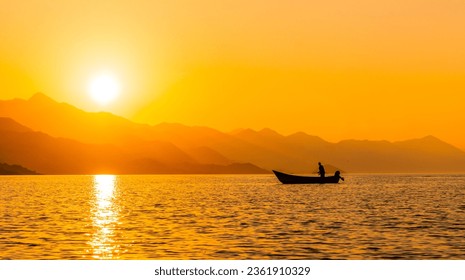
column 294, row 179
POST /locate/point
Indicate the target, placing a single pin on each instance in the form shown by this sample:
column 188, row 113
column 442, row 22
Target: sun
column 104, row 89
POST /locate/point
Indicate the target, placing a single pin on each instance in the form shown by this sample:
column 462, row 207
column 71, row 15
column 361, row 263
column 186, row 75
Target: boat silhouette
column 295, row 179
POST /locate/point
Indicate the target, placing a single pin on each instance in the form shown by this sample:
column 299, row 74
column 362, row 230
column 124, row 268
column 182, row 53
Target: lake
column 231, row 217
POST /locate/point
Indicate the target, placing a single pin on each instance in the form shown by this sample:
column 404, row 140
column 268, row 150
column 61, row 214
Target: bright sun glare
column 104, row 89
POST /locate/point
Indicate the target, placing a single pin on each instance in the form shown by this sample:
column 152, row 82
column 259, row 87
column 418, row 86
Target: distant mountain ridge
column 54, row 155
column 115, row 143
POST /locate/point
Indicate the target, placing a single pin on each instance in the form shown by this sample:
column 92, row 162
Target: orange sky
column 338, row 69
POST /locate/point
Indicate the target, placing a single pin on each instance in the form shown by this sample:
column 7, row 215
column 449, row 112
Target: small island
column 14, row 169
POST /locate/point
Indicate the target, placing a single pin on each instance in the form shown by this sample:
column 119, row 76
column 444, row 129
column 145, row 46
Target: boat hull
column 294, row 179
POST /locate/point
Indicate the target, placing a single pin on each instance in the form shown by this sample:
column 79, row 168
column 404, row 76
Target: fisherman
column 321, row 170
column 338, row 175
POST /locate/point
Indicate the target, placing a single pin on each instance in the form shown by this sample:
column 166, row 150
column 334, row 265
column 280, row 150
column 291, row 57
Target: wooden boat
column 294, row 179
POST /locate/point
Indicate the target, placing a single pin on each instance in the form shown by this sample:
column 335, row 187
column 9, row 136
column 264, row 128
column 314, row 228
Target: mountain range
column 57, row 138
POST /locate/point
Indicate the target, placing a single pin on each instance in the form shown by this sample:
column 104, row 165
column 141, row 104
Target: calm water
column 231, row 217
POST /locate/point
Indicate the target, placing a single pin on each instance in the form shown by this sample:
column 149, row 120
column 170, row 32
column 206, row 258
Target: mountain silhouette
column 7, row 124
column 14, row 169
column 67, row 139
column 55, row 155
column 42, row 113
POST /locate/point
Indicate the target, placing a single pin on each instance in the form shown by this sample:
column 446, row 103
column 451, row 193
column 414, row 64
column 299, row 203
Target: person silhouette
column 337, row 174
column 321, row 170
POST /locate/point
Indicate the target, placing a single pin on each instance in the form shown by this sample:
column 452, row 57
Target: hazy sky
column 364, row 69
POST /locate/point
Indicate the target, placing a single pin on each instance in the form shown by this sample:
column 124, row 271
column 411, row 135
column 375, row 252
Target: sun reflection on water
column 104, row 218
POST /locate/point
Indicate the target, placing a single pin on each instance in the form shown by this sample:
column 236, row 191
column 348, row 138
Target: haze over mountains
column 57, row 138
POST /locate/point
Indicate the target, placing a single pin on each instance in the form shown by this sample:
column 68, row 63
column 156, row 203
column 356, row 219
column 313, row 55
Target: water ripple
column 231, row 217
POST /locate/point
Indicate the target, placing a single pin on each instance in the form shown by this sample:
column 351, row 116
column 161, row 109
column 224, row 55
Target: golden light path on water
column 104, row 218
column 215, row 217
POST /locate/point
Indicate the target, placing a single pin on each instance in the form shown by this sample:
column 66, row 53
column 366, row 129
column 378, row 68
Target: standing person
column 321, row 170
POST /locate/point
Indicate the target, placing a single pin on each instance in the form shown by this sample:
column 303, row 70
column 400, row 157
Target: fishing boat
column 295, row 179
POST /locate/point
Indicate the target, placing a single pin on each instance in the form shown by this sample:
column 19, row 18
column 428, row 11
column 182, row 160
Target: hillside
column 115, row 143
column 96, row 128
column 54, row 155
column 14, row 169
